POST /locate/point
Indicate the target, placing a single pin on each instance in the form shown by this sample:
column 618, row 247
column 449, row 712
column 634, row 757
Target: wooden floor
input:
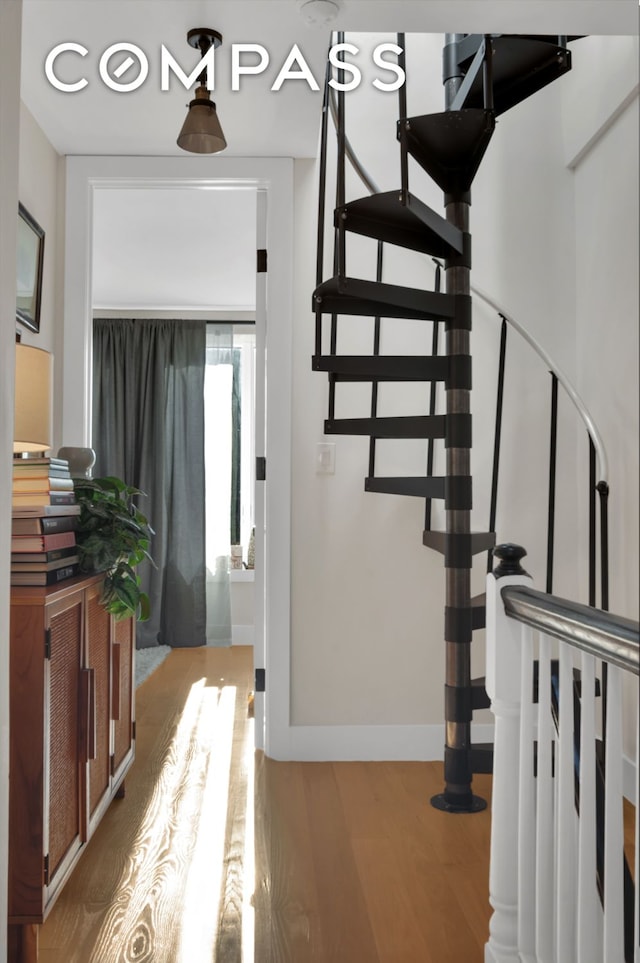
column 351, row 863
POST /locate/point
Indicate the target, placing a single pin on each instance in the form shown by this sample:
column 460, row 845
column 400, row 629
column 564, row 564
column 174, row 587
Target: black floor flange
column 475, row 805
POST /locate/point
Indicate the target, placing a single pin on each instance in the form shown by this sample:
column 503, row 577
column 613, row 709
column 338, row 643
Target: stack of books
column 44, row 519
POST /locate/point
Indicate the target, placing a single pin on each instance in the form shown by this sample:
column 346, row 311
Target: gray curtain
column 148, row 429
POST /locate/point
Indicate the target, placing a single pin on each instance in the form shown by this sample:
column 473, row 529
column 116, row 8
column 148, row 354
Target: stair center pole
column 457, row 795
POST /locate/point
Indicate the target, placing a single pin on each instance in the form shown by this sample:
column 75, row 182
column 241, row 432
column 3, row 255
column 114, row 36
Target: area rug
column 149, row 659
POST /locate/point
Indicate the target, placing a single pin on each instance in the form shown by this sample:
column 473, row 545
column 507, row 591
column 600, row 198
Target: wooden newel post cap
column 509, row 556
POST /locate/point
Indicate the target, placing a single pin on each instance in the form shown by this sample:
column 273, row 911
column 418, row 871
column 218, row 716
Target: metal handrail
column 612, row 638
column 590, row 424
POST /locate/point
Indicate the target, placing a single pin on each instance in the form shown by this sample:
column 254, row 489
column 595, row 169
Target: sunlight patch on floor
column 177, row 858
column 201, row 913
column 249, row 881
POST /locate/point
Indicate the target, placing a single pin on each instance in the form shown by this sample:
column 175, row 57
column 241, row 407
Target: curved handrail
column 371, row 185
column 579, row 404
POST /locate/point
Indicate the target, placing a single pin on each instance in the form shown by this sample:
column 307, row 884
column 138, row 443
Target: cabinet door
column 98, row 664
column 63, row 744
column 27, row 792
column 123, row 696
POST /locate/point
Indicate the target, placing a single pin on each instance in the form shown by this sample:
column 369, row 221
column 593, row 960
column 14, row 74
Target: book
column 41, row 471
column 51, row 499
column 44, row 578
column 26, row 511
column 29, row 523
column 42, row 543
column 21, row 465
column 32, row 460
column 45, row 557
column 17, row 567
column 44, row 483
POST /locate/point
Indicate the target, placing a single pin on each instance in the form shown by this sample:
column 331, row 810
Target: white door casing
column 273, row 180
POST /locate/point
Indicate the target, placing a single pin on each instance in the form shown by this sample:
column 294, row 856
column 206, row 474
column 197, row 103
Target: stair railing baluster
column 603, row 492
column 592, row 523
column 402, row 115
column 333, row 331
column 553, row 450
column 592, row 578
column 487, row 73
column 432, row 398
column 340, row 179
column 497, row 436
column 376, row 351
column 322, row 200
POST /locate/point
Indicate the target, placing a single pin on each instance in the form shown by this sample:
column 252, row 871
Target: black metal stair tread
column 479, row 609
column 344, row 295
column 368, row 367
column 479, row 697
column 482, row 757
column 400, row 218
column 449, row 146
column 408, row 426
column 522, row 65
column 428, row 486
column 480, row 541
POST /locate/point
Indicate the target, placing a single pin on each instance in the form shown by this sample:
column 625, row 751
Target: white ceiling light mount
column 319, row 12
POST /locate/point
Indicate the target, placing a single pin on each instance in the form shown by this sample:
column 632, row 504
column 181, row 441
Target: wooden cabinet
column 72, row 738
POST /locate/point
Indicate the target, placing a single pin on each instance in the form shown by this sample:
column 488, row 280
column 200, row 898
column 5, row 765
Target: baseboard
column 242, row 634
column 373, row 743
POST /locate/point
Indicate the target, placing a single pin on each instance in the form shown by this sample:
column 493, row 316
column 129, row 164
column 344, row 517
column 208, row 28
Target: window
column 229, row 399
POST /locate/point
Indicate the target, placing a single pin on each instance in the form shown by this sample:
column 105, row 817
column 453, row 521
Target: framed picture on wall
column 30, row 258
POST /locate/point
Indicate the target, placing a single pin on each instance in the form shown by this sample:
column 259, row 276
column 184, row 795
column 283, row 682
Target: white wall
column 10, row 24
column 242, row 590
column 602, row 147
column 367, row 599
column 40, row 191
column 601, row 124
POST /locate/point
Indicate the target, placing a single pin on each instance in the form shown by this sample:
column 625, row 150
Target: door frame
column 274, row 177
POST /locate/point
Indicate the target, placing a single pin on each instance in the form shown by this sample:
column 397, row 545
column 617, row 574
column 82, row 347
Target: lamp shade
column 201, row 132
column 33, row 397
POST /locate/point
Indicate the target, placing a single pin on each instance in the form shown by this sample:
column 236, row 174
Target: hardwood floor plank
column 398, row 934
column 288, row 924
column 348, row 934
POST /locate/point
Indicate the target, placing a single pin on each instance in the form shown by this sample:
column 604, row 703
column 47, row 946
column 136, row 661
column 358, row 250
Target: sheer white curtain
column 218, row 385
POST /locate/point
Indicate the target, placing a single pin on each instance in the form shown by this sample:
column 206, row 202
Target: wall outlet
column 325, row 458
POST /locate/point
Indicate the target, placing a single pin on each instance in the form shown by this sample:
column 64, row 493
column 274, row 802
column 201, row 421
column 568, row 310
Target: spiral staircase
column 483, row 76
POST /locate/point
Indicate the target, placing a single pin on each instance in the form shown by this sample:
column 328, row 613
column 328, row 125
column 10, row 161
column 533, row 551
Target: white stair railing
column 554, row 900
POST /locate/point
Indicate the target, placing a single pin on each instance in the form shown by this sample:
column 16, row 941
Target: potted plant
column 113, row 537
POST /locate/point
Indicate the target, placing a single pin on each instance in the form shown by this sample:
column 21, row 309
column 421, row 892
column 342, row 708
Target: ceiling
column 190, row 262
column 256, row 120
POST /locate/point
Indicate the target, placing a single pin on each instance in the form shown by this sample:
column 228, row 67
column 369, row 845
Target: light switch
column 325, row 458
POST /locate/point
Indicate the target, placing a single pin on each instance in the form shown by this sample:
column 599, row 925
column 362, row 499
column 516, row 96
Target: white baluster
column 589, row 912
column 566, row 839
column 545, row 807
column 503, row 686
column 527, row 805
column 613, row 831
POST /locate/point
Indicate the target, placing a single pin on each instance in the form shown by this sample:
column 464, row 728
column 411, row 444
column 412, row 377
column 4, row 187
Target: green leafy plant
column 113, row 537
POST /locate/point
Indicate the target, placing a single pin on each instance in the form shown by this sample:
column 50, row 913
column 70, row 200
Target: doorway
column 272, row 181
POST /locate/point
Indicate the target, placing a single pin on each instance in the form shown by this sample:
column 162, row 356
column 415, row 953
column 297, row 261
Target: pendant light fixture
column 201, row 132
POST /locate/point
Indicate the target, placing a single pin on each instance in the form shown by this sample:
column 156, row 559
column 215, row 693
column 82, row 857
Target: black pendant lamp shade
column 201, row 132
